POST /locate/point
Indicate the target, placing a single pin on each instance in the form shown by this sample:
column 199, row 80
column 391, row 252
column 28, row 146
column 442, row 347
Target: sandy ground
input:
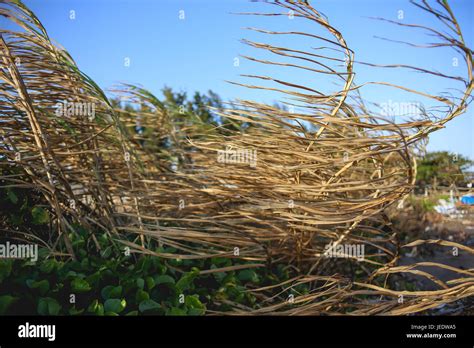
column 459, row 230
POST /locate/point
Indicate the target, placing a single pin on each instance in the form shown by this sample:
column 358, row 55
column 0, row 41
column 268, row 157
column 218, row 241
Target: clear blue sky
column 198, row 53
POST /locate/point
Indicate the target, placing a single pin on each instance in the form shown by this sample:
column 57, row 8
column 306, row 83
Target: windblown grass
column 324, row 174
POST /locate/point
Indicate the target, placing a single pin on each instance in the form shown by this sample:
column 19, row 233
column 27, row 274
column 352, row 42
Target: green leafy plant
column 108, row 282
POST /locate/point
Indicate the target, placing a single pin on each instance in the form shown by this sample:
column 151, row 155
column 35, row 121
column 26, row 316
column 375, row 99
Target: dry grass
column 311, row 186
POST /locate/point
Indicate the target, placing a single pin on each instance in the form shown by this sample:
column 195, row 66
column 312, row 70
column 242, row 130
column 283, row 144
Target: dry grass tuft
column 322, row 174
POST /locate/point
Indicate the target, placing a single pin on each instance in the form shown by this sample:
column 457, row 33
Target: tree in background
column 442, row 168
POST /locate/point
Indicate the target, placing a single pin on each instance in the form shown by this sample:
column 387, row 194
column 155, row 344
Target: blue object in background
column 469, row 200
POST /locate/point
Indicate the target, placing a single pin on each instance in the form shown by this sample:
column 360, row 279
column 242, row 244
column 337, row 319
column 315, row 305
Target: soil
column 459, row 229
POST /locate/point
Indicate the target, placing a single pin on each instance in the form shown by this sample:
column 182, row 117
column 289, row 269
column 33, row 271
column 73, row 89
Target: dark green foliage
column 120, row 284
column 22, row 207
column 442, row 168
